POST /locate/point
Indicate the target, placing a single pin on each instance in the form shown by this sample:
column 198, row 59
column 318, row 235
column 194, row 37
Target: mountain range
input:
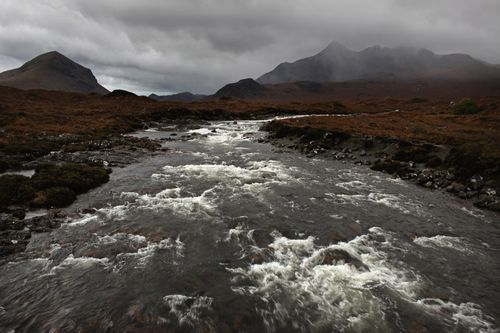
column 336, row 63
column 396, row 70
column 52, row 71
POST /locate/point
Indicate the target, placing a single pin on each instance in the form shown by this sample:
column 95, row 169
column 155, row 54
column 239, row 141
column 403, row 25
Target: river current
column 222, row 233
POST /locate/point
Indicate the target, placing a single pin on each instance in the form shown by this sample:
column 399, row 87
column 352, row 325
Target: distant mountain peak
column 52, row 71
column 334, row 48
column 334, row 45
column 336, row 63
column 242, row 89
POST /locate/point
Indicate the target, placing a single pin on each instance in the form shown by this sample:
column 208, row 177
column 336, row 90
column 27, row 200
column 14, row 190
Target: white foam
column 295, row 281
column 188, row 311
column 80, row 262
column 202, row 131
column 144, row 254
column 254, row 178
column 180, row 204
column 354, row 185
column 340, row 292
column 253, row 172
column 199, row 154
column 473, row 212
column 401, row 203
column 455, row 243
column 119, row 237
column 102, row 215
column 464, row 315
column 221, row 136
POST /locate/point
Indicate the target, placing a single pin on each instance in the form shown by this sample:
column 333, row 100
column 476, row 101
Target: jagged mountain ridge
column 336, row 63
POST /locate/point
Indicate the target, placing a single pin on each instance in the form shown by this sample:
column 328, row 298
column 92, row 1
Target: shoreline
column 432, row 166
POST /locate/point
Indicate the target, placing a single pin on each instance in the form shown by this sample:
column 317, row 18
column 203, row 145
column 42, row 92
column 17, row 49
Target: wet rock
column 434, row 162
column 417, row 153
column 9, row 222
column 338, row 256
column 456, row 188
column 44, row 223
column 495, row 206
column 388, row 165
column 18, row 213
column 259, row 257
column 6, row 250
column 471, row 194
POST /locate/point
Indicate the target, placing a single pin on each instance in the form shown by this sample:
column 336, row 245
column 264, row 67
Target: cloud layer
column 199, row 45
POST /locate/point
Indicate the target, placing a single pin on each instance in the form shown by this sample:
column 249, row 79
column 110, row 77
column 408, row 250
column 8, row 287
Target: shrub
column 466, row 106
column 54, row 197
column 78, row 177
column 15, row 189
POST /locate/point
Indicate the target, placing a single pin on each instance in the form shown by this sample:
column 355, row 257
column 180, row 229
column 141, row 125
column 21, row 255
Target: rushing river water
column 226, row 234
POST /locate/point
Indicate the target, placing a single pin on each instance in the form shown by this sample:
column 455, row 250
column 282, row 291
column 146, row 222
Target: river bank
column 466, row 166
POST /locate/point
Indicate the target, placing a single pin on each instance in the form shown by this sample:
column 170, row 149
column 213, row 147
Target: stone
column 336, row 256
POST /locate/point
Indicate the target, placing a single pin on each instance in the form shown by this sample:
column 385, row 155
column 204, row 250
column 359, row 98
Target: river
column 223, row 233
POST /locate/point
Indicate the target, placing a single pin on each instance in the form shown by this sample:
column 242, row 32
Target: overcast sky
column 167, row 46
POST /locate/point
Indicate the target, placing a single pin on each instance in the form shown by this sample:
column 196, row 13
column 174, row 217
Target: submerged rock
column 338, row 256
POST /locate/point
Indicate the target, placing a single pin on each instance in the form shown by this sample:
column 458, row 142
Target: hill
column 52, row 71
column 246, row 88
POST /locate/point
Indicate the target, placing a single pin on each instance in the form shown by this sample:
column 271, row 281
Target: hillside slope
column 52, row 71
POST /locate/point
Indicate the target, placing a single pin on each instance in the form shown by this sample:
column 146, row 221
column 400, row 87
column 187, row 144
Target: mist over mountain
column 337, row 63
column 52, row 71
column 179, row 97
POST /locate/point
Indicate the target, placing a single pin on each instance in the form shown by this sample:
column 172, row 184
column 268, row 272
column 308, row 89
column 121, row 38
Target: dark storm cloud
column 199, row 45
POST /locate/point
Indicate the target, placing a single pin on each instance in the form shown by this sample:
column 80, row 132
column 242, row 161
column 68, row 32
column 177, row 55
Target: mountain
column 180, row 97
column 120, row 93
column 246, row 88
column 337, row 63
column 52, row 71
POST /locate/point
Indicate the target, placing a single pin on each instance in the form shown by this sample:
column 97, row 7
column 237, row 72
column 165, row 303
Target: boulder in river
column 336, row 256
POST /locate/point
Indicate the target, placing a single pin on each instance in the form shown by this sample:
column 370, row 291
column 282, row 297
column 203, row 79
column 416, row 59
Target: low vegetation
column 52, row 185
column 466, row 106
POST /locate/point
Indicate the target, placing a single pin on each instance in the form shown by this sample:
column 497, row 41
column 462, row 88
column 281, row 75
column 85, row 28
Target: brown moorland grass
column 26, row 114
column 432, row 122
